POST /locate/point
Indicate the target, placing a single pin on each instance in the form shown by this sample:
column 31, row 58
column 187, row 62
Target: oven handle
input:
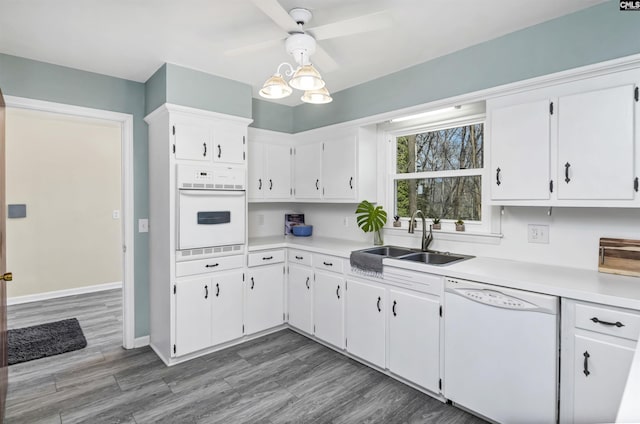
column 211, row 193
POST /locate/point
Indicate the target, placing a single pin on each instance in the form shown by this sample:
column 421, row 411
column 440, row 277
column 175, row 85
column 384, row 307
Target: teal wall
column 272, row 116
column 589, row 36
column 42, row 81
column 155, row 90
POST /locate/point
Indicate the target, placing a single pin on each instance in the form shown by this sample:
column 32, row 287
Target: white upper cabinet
column 596, row 144
column 307, row 171
column 229, row 142
column 571, row 144
column 339, row 168
column 256, row 162
column 269, row 171
column 520, row 145
column 192, row 141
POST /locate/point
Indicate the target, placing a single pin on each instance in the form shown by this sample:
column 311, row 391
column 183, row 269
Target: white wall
column 67, row 171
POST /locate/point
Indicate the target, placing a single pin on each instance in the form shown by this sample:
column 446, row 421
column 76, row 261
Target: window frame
column 448, row 225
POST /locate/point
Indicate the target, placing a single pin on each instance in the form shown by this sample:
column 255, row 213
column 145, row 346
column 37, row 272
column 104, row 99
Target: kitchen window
column 439, row 170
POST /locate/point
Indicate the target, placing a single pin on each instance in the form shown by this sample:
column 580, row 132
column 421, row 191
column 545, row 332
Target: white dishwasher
column 501, row 352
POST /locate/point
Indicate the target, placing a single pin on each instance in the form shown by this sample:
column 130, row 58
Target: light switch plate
column 538, row 233
column 115, row 214
column 143, row 225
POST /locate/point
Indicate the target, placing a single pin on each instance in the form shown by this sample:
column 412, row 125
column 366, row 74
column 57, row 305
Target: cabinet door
column 193, row 315
column 193, row 141
column 520, row 160
column 226, row 307
column 595, row 144
column 328, row 301
column 365, row 321
column 229, row 143
column 300, row 313
column 414, row 338
column 256, row 186
column 339, row 168
column 264, row 294
column 600, row 374
column 278, row 172
column 307, row 169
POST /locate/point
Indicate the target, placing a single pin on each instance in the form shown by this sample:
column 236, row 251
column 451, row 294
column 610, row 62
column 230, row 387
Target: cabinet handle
column 617, row 323
column 267, row 258
column 586, row 363
column 219, row 151
column 498, row 182
column 217, row 289
column 253, row 283
column 338, row 291
column 317, row 184
column 393, row 309
column 378, row 304
column 635, row 184
column 307, row 284
column 270, row 184
column 206, row 292
column 212, row 265
column 351, row 183
column 566, row 172
column 205, row 149
column 259, row 183
column 327, row 263
column 299, row 258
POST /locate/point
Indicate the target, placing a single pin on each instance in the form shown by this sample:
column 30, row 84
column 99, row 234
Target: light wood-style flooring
column 280, row 378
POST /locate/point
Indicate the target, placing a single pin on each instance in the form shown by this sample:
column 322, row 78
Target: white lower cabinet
column 598, row 346
column 414, row 338
column 300, row 303
column 193, row 315
column 226, row 309
column 264, row 298
column 365, row 321
column 328, row 307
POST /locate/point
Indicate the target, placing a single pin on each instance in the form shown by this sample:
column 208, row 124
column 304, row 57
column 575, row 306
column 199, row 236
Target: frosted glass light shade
column 275, row 88
column 306, row 78
column 317, row 97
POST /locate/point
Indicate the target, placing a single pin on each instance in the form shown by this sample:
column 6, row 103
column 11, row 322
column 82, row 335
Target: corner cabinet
column 572, row 144
column 264, row 291
column 598, row 347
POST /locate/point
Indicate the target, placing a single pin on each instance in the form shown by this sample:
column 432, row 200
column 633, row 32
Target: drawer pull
column 327, row 263
column 299, row 258
column 267, row 258
column 586, row 363
column 211, row 266
column 617, row 323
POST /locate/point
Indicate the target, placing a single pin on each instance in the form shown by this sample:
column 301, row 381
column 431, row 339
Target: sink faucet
column 426, row 240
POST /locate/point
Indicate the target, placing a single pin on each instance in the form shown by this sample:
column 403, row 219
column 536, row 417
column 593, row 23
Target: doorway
column 120, row 214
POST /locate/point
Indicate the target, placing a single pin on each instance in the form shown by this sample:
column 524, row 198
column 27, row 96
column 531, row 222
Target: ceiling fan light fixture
column 306, row 78
column 317, row 97
column 275, row 88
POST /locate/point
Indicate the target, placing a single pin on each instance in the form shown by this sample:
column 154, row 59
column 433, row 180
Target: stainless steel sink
column 389, row 251
column 433, row 258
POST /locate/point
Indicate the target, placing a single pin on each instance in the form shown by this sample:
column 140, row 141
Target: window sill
column 465, row 236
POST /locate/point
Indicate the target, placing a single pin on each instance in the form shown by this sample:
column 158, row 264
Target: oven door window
column 209, row 218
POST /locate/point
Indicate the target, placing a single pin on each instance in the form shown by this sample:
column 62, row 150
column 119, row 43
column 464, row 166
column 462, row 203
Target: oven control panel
column 210, row 178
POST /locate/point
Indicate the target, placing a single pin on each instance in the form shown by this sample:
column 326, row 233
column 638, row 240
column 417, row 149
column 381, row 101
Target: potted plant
column 436, row 223
column 371, row 219
column 459, row 225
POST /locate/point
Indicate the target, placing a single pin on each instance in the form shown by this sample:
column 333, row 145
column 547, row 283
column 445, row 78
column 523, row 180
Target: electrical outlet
column 538, row 233
column 143, row 225
column 115, row 214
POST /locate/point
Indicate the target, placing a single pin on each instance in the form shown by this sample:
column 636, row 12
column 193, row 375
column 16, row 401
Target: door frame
column 126, row 125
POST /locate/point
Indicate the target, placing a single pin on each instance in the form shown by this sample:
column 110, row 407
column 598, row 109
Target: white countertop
column 325, row 245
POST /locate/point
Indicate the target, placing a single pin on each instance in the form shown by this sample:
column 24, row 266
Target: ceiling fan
column 301, row 43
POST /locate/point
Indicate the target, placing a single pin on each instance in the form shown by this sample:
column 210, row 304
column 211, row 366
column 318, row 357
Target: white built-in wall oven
column 211, row 215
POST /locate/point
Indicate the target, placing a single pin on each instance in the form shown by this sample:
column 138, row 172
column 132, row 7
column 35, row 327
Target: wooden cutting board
column 619, row 256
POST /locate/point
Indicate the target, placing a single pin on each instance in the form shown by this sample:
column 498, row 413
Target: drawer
column 608, row 320
column 203, row 266
column 327, row 262
column 299, row 257
column 418, row 281
column 266, row 257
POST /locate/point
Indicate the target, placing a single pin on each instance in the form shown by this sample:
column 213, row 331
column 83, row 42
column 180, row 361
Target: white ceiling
column 131, row 39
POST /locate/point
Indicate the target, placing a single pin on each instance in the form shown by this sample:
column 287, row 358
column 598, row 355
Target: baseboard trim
column 17, row 300
column 141, row 342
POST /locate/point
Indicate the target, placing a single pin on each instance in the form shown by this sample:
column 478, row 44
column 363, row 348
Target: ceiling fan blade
column 254, row 47
column 281, row 17
column 323, row 61
column 366, row 23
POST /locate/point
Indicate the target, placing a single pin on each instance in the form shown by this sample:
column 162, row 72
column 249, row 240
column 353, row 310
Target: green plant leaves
column 369, row 217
